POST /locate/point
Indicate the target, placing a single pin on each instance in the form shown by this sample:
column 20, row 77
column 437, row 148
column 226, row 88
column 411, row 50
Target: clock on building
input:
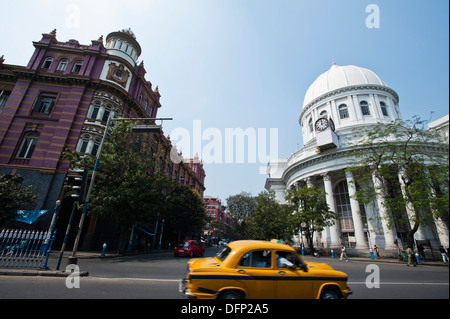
column 321, row 124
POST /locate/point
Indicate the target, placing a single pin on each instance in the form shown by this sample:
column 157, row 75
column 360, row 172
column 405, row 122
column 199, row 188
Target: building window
column 364, row 108
column 106, row 113
column 62, row 65
column 93, row 112
column 343, row 111
column 77, row 66
column 384, row 109
column 3, row 99
column 310, row 124
column 47, row 63
column 28, row 144
column 44, row 103
column 343, row 208
column 145, row 105
column 323, row 113
column 95, row 147
column 84, row 142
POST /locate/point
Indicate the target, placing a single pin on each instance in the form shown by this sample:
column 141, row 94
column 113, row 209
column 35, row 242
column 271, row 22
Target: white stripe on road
column 401, row 283
column 138, row 279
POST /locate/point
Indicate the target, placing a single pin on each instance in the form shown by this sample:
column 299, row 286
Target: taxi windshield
column 223, row 253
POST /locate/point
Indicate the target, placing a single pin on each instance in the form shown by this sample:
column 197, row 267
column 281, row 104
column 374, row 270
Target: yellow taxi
column 256, row 269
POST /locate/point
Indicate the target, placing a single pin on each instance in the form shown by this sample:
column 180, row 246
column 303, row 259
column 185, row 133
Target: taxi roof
column 258, row 244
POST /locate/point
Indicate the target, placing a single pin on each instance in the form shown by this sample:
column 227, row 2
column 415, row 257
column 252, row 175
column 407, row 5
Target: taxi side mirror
column 303, row 267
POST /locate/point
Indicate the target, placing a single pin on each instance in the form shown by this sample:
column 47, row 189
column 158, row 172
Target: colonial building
column 62, row 100
column 338, row 103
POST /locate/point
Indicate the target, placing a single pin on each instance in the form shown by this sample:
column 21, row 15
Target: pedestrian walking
column 343, row 253
column 377, row 254
column 410, row 256
column 443, row 254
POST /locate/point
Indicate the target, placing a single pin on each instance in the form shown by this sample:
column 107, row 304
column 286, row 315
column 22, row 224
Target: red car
column 189, row 248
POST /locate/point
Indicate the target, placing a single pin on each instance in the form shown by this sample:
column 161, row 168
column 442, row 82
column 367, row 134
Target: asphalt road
column 156, row 276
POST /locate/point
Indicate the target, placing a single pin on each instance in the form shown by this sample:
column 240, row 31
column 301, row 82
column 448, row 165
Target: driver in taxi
column 282, row 262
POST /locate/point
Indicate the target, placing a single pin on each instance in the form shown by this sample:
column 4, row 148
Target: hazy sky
column 222, row 65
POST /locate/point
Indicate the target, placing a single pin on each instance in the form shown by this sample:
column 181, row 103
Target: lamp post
column 370, row 243
column 160, row 236
column 138, row 128
column 303, row 225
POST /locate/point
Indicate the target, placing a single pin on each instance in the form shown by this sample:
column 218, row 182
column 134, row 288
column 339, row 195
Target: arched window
column 364, row 108
column 384, row 109
column 106, row 113
column 28, row 144
column 310, row 124
column 323, row 113
column 343, row 111
column 97, row 142
column 93, row 112
column 77, row 66
column 48, row 61
column 83, row 144
column 62, row 65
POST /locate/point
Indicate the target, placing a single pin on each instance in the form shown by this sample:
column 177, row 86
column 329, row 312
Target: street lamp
column 370, row 244
column 137, row 128
column 303, row 225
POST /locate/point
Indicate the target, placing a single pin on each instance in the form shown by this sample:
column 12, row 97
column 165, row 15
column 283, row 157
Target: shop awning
column 144, row 231
column 29, row 216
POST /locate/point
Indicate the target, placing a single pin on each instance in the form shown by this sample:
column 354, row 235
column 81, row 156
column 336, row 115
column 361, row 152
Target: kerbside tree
column 408, row 165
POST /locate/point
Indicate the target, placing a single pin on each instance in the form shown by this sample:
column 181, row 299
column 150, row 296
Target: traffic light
column 76, row 184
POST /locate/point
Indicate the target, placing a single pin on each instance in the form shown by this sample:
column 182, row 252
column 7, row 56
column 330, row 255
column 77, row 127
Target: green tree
column 410, row 164
column 184, row 213
column 129, row 187
column 270, row 219
column 311, row 211
column 13, row 196
column 241, row 207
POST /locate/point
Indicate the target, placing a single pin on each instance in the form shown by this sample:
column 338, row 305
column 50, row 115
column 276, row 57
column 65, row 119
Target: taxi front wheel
column 330, row 293
column 231, row 294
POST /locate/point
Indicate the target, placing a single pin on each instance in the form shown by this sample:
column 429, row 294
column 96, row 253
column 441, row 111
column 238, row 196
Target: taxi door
column 258, row 276
column 292, row 283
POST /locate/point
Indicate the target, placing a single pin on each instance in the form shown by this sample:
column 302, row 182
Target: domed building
column 338, row 103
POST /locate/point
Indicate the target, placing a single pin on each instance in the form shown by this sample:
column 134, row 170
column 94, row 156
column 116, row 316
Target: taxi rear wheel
column 330, row 293
column 231, row 294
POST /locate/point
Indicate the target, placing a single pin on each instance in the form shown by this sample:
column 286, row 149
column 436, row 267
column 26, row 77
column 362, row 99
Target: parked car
column 255, row 270
column 189, row 248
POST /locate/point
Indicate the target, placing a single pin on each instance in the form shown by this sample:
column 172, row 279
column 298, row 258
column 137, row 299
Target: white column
column 388, row 231
column 356, row 215
column 334, row 230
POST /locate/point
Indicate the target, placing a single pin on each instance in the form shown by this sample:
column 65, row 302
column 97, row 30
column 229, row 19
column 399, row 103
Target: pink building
column 62, row 100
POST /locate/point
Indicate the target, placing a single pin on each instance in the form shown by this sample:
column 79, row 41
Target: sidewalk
column 62, row 273
column 376, row 260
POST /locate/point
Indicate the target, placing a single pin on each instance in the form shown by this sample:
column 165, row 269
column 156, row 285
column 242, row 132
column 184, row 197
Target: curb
column 39, row 272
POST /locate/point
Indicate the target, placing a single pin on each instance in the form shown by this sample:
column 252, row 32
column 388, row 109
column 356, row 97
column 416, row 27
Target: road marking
column 401, row 283
column 137, row 279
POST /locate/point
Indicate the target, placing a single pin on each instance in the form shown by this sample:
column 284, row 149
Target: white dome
column 338, row 77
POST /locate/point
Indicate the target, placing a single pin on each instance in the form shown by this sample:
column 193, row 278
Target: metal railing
column 25, row 248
